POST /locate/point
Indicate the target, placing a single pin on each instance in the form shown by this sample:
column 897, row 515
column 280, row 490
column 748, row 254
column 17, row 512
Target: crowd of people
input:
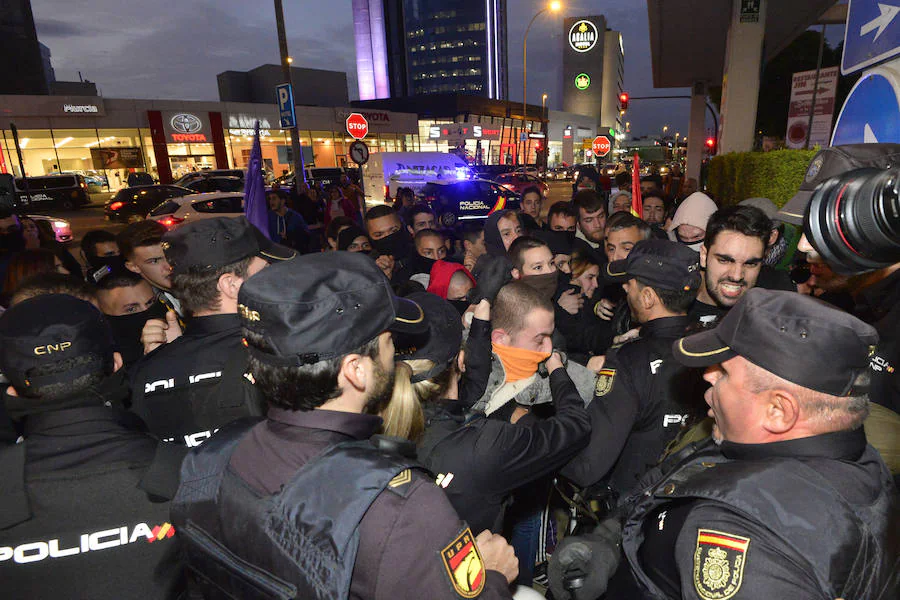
column 566, row 398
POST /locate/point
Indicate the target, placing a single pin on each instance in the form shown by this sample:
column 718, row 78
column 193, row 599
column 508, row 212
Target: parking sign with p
column 284, row 95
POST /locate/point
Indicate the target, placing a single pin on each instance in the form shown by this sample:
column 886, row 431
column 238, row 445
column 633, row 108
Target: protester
column 452, row 282
column 338, row 205
column 354, row 239
column 52, row 282
column 532, row 199
column 128, row 302
column 586, row 336
column 591, row 212
column 532, row 263
column 688, row 226
column 654, row 211
column 430, row 244
column 98, row 248
column 140, row 245
column 560, row 244
column 473, row 244
column 84, row 476
column 418, row 218
column 335, row 227
column 354, row 194
column 286, row 226
column 501, row 229
column 619, row 202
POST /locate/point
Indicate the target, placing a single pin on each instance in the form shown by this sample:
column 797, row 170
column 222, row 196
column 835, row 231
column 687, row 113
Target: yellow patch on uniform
column 604, row 382
column 719, row 561
column 402, row 478
column 464, row 566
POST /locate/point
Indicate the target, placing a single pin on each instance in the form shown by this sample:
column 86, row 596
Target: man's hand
column 494, row 272
column 631, row 334
column 571, row 301
column 582, row 565
column 605, row 309
column 469, row 261
column 595, row 363
column 385, row 262
column 483, row 311
column 157, row 332
column 497, row 555
column 554, row 362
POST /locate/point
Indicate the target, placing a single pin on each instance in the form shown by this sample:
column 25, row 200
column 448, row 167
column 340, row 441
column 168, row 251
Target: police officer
column 790, row 501
column 643, row 396
column 303, row 504
column 190, row 387
column 82, row 512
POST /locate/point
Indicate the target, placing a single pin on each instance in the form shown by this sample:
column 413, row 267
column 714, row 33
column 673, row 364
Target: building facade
column 593, row 70
column 109, row 138
column 21, row 60
column 415, row 47
column 312, row 87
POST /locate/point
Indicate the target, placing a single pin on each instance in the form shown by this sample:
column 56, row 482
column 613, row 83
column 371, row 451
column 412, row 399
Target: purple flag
column 256, row 207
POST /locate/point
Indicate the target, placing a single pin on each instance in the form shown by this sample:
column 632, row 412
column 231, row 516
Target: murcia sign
column 80, row 108
column 583, row 36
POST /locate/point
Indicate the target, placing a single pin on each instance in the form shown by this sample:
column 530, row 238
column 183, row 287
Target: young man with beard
column 389, row 238
column 286, row 226
column 730, row 258
column 372, row 524
column 591, row 232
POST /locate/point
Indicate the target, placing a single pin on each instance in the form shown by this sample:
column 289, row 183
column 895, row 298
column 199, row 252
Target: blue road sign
column 871, row 113
column 872, row 34
column 284, row 95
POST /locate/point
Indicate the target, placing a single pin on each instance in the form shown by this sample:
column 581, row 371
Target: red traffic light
column 623, row 100
column 711, row 145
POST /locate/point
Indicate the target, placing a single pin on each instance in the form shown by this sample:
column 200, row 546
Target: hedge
column 774, row 175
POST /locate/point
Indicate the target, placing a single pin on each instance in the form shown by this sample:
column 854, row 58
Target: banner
column 801, row 99
column 117, row 158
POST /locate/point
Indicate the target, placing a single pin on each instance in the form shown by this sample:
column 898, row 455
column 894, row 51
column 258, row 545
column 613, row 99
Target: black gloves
column 582, row 565
column 491, row 273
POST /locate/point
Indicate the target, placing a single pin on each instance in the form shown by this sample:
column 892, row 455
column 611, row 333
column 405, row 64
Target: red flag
column 637, row 206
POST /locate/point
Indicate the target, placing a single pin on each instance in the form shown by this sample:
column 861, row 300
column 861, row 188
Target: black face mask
column 127, row 329
column 420, row 264
column 12, row 242
column 461, row 306
column 545, row 284
column 397, row 244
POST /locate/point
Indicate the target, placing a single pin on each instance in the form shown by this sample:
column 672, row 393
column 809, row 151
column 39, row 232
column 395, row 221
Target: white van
column 386, row 172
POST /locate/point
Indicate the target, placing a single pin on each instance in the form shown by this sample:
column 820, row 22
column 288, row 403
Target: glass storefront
column 500, row 143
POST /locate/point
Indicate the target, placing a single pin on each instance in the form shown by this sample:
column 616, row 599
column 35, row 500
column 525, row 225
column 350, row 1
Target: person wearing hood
column 452, row 282
column 532, row 263
column 84, row 467
column 354, row 239
column 688, row 226
column 501, row 229
column 619, row 202
column 482, row 460
column 390, row 239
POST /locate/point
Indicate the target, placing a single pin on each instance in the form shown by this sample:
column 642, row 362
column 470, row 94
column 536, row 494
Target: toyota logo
column 186, row 123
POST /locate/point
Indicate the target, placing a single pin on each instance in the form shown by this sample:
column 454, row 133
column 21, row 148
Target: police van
column 61, row 192
column 386, row 172
column 455, row 201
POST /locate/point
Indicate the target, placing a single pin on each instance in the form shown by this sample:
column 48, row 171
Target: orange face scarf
column 517, row 362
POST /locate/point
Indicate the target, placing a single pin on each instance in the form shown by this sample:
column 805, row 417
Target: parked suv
column 188, row 178
column 62, row 192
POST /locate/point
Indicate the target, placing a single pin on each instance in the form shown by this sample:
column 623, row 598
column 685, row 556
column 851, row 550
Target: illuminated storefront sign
column 245, row 125
column 583, row 36
column 582, row 81
column 184, row 127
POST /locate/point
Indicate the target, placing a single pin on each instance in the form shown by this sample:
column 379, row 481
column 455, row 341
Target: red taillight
column 430, row 199
column 387, row 192
column 116, row 205
column 83, row 185
column 170, row 222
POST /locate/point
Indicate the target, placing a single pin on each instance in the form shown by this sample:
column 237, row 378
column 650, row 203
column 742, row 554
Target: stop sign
column 357, row 126
column 601, row 145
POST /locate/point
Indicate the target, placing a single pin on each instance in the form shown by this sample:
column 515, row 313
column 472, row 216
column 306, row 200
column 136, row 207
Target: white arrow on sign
column 869, row 135
column 888, row 12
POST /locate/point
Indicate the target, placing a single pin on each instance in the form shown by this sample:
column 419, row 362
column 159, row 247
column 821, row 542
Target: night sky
column 142, row 50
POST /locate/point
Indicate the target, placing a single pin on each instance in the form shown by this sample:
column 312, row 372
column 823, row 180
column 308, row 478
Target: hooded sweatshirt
column 441, row 273
column 695, row 210
column 492, row 240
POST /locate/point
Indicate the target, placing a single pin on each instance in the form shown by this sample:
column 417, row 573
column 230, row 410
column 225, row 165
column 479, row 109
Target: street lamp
column 665, row 129
column 554, row 6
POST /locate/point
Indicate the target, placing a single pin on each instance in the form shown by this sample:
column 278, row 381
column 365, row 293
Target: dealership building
column 168, row 138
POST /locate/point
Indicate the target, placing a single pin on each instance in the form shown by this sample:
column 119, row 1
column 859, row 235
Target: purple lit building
column 415, row 47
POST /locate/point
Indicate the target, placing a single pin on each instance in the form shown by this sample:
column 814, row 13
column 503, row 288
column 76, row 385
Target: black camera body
column 853, row 220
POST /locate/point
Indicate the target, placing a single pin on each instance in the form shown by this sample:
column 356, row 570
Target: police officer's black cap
column 834, row 161
column 216, row 242
column 322, row 306
column 799, row 338
column 440, row 344
column 50, row 329
column 658, row 263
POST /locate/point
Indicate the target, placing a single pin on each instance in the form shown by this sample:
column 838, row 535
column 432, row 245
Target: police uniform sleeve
column 720, row 554
column 612, row 412
column 417, row 547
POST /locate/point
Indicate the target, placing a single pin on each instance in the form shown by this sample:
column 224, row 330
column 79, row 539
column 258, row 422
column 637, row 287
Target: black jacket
column 187, row 389
column 483, row 460
column 642, row 400
column 879, row 305
column 478, row 363
column 805, row 518
column 80, row 517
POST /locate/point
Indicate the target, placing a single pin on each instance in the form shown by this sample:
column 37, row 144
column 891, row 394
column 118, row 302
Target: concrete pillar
column 740, row 84
column 696, row 131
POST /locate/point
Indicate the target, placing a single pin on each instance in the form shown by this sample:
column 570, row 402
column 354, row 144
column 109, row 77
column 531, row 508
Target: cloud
column 53, row 28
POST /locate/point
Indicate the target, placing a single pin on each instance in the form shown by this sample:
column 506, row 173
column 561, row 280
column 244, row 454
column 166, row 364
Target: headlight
column 60, row 224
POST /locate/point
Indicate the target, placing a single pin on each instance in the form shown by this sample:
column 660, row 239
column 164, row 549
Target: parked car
column 47, row 192
column 134, row 203
column 175, row 212
column 318, row 176
column 216, row 184
column 61, row 228
column 184, row 180
column 454, row 201
column 518, row 181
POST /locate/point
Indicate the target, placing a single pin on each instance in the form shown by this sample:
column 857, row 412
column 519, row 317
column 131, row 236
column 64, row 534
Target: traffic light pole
column 296, row 150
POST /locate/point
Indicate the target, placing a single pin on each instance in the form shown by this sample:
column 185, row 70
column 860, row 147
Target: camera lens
column 853, row 220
